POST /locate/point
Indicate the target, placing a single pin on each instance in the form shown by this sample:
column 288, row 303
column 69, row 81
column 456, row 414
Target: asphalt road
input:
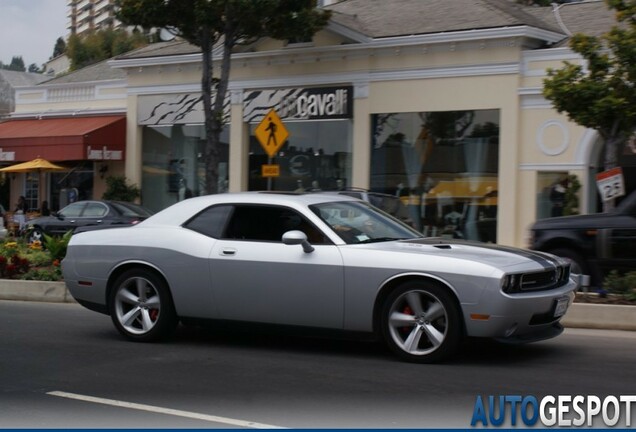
column 63, row 366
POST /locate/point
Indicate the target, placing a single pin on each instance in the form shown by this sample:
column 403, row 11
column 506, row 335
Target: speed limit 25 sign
column 610, row 184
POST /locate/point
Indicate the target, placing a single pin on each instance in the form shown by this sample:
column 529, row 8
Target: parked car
column 314, row 260
column 84, row 215
column 594, row 243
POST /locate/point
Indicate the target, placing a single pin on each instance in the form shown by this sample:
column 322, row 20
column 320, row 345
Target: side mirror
column 297, row 238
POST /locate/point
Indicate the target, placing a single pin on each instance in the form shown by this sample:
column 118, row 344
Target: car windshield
column 128, row 209
column 358, row 222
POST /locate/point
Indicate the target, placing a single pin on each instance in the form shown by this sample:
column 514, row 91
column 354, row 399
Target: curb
column 600, row 316
column 580, row 315
column 42, row 291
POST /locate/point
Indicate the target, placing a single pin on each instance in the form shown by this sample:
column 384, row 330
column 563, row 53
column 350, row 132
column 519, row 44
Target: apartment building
column 90, row 15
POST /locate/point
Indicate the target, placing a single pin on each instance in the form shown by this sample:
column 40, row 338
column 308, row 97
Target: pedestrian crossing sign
column 271, row 133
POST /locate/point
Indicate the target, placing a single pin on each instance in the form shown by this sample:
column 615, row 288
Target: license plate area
column 561, row 306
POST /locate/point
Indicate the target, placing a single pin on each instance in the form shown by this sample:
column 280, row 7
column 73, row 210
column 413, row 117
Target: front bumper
column 519, row 318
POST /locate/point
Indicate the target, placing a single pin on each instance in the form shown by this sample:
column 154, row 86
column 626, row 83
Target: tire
column 421, row 322
column 141, row 307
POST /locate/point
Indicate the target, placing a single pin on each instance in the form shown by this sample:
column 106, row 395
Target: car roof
column 180, row 212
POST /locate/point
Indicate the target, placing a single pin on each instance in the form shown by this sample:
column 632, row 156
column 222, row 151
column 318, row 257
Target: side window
column 95, row 210
column 72, row 210
column 265, row 223
column 211, row 221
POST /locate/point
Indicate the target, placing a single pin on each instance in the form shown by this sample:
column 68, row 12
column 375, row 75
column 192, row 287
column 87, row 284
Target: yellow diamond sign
column 271, row 133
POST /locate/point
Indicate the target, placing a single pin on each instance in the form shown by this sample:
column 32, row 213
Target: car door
column 258, row 278
column 616, row 242
column 66, row 219
column 94, row 213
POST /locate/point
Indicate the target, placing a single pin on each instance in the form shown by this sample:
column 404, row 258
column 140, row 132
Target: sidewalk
column 580, row 315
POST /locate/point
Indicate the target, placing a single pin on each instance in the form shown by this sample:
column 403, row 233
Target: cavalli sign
column 314, row 103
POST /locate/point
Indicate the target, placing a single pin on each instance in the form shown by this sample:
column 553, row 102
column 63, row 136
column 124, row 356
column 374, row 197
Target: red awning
column 63, row 139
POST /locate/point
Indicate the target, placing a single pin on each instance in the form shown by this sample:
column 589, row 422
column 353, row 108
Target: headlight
column 510, row 283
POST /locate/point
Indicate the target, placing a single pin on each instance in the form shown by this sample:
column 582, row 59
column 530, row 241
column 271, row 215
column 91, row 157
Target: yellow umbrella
column 37, row 164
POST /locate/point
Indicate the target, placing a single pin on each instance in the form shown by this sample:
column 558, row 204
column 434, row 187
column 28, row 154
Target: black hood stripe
column 546, row 261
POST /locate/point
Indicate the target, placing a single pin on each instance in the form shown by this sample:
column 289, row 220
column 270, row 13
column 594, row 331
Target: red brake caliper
column 154, row 313
column 408, row 311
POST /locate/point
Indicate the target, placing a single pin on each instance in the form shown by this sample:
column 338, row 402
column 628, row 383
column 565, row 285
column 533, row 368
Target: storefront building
column 445, row 113
column 77, row 121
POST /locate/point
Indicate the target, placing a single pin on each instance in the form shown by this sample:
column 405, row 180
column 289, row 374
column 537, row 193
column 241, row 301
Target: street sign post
column 271, row 133
column 610, row 184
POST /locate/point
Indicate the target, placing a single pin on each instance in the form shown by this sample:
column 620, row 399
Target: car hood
column 596, row 220
column 485, row 253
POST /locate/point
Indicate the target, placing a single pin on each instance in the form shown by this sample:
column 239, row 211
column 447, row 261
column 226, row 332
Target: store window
column 316, row 156
column 75, row 185
column 31, row 191
column 444, row 168
column 173, row 164
column 551, row 190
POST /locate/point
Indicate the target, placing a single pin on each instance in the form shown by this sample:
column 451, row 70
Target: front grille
column 538, row 281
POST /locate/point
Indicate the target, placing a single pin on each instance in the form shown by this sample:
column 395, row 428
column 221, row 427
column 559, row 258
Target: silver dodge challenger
column 315, row 261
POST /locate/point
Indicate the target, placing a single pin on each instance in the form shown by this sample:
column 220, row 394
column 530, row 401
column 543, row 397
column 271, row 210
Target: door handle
column 228, row 251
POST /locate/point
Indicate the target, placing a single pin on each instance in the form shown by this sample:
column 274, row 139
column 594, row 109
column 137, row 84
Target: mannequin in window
column 557, row 197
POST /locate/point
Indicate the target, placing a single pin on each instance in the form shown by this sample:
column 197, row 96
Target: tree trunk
column 211, row 152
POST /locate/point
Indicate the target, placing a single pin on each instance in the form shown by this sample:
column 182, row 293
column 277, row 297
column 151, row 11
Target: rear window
column 128, row 209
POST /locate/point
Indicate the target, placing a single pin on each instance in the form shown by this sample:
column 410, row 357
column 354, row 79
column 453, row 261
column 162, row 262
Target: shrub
column 57, row 245
column 118, row 189
column 621, row 284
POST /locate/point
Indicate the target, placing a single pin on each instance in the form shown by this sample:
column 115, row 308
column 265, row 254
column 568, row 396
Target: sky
column 29, row 28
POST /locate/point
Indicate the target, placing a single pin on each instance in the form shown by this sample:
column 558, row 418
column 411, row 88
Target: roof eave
column 522, row 31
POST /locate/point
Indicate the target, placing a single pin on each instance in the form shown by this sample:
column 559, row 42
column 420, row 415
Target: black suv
column 595, row 243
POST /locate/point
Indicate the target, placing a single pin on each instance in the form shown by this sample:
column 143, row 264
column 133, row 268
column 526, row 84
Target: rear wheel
column 421, row 322
column 141, row 307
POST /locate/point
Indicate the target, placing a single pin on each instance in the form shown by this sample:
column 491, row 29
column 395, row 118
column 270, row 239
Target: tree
column 59, row 48
column 33, row 68
column 17, row 64
column 601, row 94
column 101, row 45
column 228, row 23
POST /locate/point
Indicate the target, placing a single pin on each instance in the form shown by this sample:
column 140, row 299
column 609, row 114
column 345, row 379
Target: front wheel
column 141, row 307
column 421, row 322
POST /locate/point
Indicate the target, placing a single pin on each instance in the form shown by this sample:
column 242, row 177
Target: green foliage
column 621, row 284
column 118, row 189
column 38, row 258
column 13, row 267
column 601, row 96
column 21, row 260
column 234, row 22
column 43, row 274
column 57, row 245
column 101, row 45
column 17, row 64
column 59, row 48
